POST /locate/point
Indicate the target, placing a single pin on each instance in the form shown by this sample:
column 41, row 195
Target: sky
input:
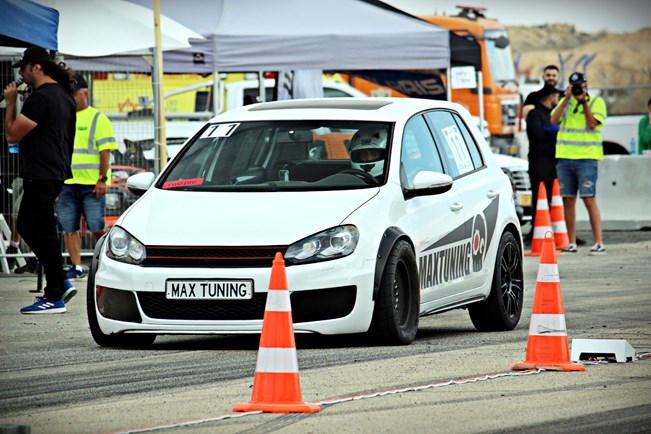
column 615, row 16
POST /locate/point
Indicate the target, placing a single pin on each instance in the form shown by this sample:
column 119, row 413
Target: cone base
column 548, row 366
column 277, row 408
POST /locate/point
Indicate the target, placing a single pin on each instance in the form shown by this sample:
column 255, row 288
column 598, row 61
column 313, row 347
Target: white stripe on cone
column 542, row 204
column 539, row 231
column 548, row 273
column 557, row 201
column 543, row 324
column 278, row 301
column 559, row 227
column 277, row 360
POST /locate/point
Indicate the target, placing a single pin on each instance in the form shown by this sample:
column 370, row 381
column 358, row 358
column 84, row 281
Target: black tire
column 113, row 340
column 395, row 318
column 502, row 309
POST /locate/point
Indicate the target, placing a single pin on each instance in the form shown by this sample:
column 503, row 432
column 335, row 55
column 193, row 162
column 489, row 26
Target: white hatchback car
column 384, row 210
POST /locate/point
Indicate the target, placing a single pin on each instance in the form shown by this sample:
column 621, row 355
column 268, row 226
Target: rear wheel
column 395, row 318
column 502, row 309
column 111, row 340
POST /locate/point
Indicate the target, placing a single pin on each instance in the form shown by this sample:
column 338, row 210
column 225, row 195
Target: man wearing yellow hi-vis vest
column 578, row 152
column 84, row 193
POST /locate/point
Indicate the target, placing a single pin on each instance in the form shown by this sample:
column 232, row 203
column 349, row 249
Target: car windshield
column 282, row 156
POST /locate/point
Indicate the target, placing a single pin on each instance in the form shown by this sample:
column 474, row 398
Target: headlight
column 123, row 247
column 330, row 244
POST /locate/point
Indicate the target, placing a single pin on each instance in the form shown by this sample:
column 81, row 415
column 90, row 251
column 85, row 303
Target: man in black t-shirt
column 551, row 77
column 44, row 130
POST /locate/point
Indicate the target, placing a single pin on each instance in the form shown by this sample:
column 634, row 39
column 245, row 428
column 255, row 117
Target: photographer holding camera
column 578, row 150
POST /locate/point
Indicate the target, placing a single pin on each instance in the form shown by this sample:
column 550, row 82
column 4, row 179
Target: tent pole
column 160, row 138
column 262, row 90
column 480, row 95
column 216, row 91
column 448, row 86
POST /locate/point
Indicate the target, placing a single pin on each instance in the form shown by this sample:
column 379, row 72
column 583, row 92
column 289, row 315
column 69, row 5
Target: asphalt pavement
column 55, row 379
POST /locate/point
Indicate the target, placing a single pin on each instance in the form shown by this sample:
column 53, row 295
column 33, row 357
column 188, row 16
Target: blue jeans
column 76, row 200
column 577, row 176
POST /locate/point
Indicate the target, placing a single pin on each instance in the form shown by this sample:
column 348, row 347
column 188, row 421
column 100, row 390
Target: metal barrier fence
column 127, row 99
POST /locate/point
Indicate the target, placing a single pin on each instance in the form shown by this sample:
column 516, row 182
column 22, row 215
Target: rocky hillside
column 621, row 59
column 621, row 67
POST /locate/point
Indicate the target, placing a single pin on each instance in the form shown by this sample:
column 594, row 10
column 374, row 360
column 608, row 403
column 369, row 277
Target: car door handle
column 491, row 194
column 456, row 206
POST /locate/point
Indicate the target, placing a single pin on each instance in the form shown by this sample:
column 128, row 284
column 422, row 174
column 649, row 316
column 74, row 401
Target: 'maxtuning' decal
column 460, row 252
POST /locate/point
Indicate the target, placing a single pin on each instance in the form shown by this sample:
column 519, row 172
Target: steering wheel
column 364, row 176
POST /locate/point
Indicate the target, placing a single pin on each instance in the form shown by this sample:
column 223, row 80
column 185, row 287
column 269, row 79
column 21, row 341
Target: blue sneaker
column 42, row 305
column 69, row 291
column 76, row 272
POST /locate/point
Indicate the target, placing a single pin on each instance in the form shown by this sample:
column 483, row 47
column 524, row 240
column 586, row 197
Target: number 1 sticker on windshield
column 220, row 130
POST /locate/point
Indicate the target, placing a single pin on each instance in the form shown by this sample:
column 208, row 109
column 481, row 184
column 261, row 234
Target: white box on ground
column 620, row 348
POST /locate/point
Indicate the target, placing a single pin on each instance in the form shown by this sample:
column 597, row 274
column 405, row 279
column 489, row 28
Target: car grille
column 210, row 257
column 521, row 179
column 312, row 305
column 155, row 305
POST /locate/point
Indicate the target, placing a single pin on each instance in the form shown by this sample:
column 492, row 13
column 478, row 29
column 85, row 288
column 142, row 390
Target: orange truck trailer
column 501, row 97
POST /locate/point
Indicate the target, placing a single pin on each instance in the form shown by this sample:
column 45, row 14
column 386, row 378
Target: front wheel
column 395, row 318
column 502, row 309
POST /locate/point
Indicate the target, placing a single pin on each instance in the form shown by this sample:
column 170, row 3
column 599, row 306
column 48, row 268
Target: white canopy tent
column 95, row 28
column 263, row 35
column 121, row 28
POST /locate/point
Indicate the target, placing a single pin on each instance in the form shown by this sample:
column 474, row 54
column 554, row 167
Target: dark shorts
column 577, row 176
column 77, row 200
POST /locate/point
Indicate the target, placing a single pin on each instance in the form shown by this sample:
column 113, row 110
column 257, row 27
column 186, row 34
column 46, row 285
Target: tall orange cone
column 547, row 346
column 542, row 222
column 557, row 212
column 276, row 384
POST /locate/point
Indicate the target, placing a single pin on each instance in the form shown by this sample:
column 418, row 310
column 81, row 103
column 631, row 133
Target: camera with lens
column 577, row 89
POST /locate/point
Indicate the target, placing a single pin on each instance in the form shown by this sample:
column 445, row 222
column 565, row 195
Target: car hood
column 511, row 163
column 163, row 217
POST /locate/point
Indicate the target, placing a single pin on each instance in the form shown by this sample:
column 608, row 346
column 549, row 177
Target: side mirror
column 501, row 42
column 139, row 183
column 429, row 183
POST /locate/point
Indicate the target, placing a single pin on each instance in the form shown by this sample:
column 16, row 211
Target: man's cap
column 79, row 82
column 578, row 78
column 32, row 55
column 547, row 90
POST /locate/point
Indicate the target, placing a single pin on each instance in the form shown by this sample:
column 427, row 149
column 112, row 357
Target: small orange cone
column 557, row 212
column 276, row 384
column 542, row 222
column 547, row 346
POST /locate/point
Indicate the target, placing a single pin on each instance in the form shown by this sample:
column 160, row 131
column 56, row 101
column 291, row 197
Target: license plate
column 525, row 199
column 211, row 289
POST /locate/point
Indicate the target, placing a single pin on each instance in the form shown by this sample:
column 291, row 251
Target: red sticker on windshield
column 183, row 183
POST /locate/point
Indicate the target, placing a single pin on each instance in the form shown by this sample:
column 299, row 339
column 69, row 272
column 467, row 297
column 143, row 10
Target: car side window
column 418, row 151
column 451, row 141
column 470, row 141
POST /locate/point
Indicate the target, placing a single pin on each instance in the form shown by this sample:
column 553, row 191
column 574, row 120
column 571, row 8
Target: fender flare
column 389, row 238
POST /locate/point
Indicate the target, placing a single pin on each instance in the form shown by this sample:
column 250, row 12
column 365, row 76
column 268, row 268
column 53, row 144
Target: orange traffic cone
column 276, row 384
column 557, row 212
column 547, row 346
column 542, row 223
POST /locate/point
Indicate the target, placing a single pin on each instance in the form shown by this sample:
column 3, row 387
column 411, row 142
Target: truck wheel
column 502, row 309
column 395, row 318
